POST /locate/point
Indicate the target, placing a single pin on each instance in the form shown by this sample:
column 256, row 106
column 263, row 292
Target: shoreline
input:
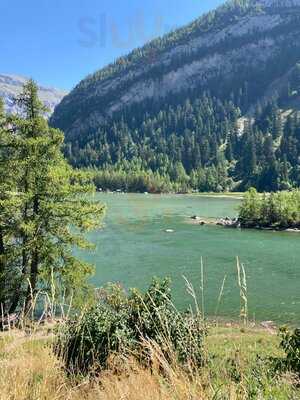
column 233, row 195
column 232, row 224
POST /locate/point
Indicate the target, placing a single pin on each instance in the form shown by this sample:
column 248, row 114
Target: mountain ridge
column 174, row 104
column 11, row 86
column 98, row 85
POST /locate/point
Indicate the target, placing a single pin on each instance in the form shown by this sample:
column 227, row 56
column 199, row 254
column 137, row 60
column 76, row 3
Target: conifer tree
column 9, row 206
column 52, row 207
column 2, row 219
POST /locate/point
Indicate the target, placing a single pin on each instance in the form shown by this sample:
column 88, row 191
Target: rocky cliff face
column 243, row 45
column 11, row 86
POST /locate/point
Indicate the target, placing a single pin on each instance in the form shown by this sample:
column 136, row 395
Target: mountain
column 184, row 101
column 11, row 86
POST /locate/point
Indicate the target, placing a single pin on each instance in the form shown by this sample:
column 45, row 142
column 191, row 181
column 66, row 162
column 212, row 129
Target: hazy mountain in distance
column 11, row 86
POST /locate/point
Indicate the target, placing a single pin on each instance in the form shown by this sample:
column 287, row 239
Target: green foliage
column 198, row 145
column 279, row 210
column 290, row 343
column 120, row 323
column 250, row 210
column 131, row 178
column 295, row 80
column 45, row 208
column 172, row 150
column 174, row 140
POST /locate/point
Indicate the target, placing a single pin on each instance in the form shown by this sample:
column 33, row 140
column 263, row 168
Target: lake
column 133, row 247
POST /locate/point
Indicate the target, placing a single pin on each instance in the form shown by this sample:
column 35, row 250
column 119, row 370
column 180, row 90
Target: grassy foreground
column 29, row 370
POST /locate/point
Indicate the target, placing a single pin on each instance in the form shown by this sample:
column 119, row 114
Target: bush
column 290, row 343
column 279, row 210
column 121, row 324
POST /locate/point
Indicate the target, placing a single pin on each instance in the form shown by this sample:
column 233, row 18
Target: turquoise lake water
column 133, row 247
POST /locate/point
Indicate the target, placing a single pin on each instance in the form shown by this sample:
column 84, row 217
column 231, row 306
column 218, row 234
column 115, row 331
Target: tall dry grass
column 30, row 371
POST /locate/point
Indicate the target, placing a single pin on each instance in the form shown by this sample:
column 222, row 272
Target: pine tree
column 285, row 170
column 9, row 205
column 3, row 181
column 2, row 249
column 229, row 151
column 296, row 78
column 52, row 207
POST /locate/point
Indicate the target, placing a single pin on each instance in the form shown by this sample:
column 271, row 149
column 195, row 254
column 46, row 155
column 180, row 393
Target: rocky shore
column 235, row 223
column 226, row 222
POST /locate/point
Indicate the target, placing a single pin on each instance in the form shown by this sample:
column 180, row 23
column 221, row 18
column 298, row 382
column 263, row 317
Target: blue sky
column 59, row 42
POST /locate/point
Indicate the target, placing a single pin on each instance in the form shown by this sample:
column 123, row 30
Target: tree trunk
column 24, row 267
column 2, row 275
column 18, row 291
column 25, row 256
column 31, row 290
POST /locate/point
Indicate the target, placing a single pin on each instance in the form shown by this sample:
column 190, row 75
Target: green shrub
column 278, row 210
column 120, row 323
column 290, row 343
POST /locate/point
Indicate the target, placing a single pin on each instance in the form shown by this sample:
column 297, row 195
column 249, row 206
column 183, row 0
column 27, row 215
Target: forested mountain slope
column 207, row 106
